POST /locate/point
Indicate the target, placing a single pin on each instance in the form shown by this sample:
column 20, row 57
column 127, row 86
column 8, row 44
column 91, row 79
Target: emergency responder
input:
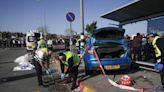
column 38, row 67
column 42, row 43
column 34, row 46
column 158, row 44
column 78, row 45
column 42, row 56
column 50, row 44
column 72, row 61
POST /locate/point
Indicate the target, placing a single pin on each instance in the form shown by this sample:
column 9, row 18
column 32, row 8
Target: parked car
column 111, row 47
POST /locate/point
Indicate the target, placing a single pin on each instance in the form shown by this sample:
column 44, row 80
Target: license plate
column 112, row 67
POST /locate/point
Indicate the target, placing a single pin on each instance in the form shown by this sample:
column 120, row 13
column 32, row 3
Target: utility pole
column 82, row 15
column 45, row 28
column 82, row 23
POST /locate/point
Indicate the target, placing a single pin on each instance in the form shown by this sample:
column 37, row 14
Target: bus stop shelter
column 138, row 10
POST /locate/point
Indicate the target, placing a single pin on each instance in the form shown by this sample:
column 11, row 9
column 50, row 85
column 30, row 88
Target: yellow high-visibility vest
column 42, row 43
column 45, row 51
column 157, row 50
column 76, row 58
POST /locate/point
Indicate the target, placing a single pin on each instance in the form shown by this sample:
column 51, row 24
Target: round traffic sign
column 70, row 16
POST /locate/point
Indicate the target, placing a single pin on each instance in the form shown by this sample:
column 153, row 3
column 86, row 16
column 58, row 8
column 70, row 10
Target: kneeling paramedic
column 158, row 44
column 72, row 61
column 41, row 59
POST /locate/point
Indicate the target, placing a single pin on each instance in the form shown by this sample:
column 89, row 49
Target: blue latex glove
column 62, row 76
column 158, row 66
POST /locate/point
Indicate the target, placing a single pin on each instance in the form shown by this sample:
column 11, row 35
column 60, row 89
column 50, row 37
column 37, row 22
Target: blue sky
column 25, row 15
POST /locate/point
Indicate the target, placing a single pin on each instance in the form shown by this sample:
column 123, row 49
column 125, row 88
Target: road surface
column 26, row 81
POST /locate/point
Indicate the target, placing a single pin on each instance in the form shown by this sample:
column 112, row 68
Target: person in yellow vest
column 72, row 61
column 42, row 43
column 78, row 45
column 34, row 46
column 41, row 60
column 158, row 44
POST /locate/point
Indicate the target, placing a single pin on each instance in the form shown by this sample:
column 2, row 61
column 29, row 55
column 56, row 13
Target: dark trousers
column 137, row 53
column 74, row 74
column 38, row 69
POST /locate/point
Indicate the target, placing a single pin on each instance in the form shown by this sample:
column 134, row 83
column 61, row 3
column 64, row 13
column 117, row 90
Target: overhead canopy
column 137, row 11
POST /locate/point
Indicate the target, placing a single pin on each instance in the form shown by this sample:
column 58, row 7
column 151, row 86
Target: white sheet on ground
column 23, row 63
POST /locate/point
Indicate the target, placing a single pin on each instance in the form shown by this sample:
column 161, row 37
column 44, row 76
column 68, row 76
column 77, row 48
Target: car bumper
column 123, row 63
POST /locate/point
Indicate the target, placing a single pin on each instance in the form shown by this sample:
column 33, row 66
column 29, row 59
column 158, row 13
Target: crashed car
column 111, row 48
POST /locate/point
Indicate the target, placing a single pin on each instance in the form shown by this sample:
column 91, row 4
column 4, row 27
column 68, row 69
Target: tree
column 90, row 27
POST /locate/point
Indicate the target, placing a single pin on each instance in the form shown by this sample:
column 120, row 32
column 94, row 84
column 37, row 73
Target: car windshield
column 107, row 34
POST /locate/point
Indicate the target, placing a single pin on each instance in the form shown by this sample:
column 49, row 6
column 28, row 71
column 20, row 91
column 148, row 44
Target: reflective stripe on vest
column 76, row 59
column 157, row 50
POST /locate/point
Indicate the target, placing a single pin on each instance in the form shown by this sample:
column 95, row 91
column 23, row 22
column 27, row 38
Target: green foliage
column 91, row 27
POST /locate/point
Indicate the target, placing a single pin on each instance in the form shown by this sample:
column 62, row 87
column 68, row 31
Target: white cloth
column 23, row 63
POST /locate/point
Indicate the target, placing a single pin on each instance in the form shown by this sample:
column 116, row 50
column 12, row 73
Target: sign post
column 70, row 18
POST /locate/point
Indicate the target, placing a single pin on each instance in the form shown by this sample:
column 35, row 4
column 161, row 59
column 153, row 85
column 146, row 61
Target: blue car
column 111, row 48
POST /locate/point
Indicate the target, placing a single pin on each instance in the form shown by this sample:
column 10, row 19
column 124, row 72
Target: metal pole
column 45, row 29
column 82, row 15
column 82, row 25
column 70, row 40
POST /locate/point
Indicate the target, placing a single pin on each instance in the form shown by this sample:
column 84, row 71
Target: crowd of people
column 139, row 49
column 9, row 43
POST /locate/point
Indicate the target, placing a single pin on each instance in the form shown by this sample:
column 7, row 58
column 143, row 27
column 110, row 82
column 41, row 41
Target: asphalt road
column 25, row 81
column 15, row 81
